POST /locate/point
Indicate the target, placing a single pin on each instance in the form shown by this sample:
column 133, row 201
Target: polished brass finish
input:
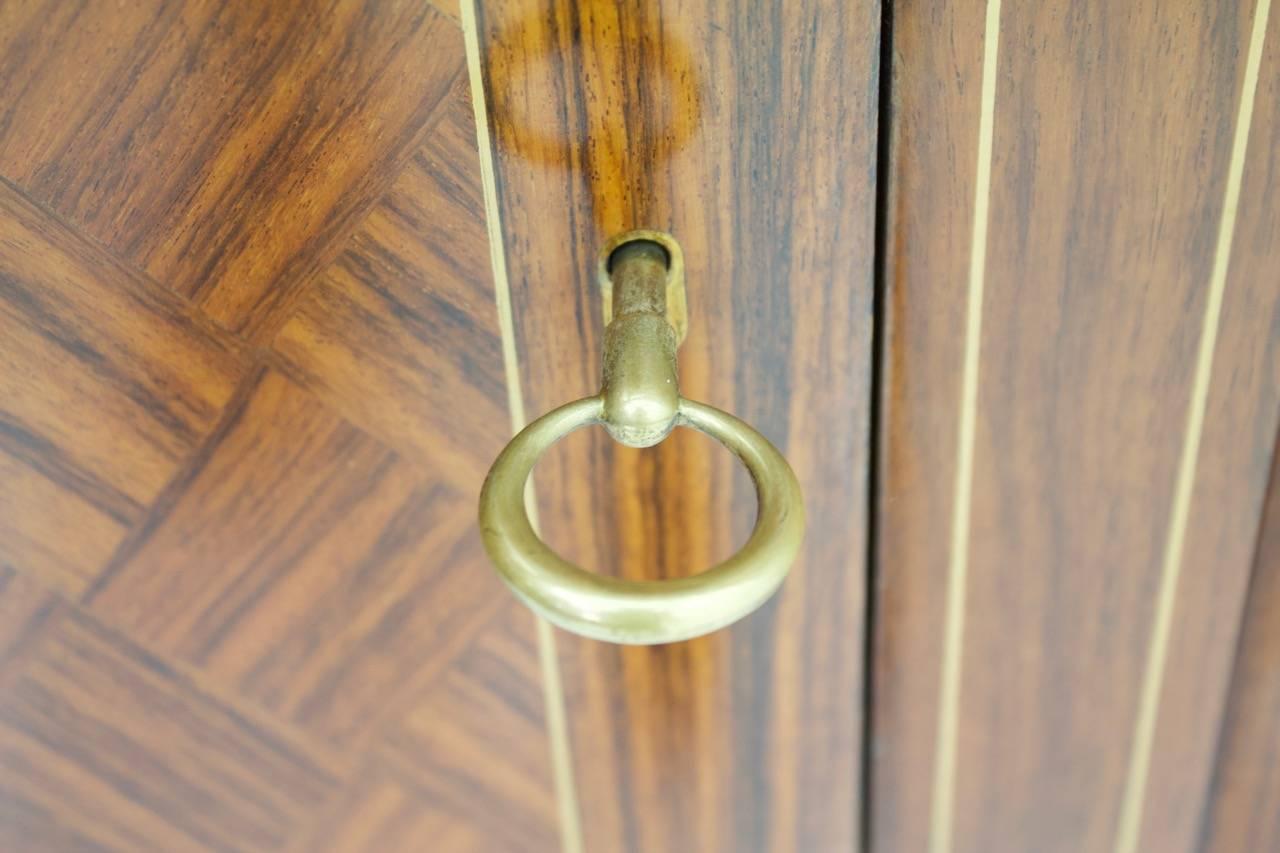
column 639, row 404
column 639, row 388
column 677, row 305
column 641, row 612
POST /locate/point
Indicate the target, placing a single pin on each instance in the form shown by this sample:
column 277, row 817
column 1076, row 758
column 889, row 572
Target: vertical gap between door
column 875, row 426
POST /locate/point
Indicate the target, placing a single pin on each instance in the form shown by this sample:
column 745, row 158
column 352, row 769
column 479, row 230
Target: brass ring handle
column 639, row 405
column 641, row 612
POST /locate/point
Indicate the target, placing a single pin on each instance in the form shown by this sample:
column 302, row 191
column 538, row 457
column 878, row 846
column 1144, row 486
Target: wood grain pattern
column 225, row 148
column 390, row 811
column 935, row 89
column 251, row 375
column 431, row 783
column 1235, row 456
column 1241, row 810
column 487, row 712
column 343, row 574
column 712, row 121
column 106, row 384
column 90, row 732
column 448, row 7
column 24, row 606
column 400, row 332
column 242, row 600
column 1105, row 207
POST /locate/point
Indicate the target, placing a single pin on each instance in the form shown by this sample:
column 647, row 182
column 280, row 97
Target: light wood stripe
column 552, row 688
column 944, row 767
column 1130, row 824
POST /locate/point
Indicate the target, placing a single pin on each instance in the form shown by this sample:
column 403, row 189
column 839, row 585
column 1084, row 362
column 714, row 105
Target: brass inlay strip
column 552, row 689
column 944, row 767
column 1129, row 829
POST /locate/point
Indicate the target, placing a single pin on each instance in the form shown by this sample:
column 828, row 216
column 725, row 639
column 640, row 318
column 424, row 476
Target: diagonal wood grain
column 107, row 383
column 307, row 567
column 448, row 7
column 400, row 333
column 225, row 148
column 281, row 539
column 24, row 607
column 389, row 812
column 90, row 726
column 713, row 121
column 432, row 784
column 487, row 711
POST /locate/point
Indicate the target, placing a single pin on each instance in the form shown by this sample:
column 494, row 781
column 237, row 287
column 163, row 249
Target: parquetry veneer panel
column 107, row 384
column 307, row 567
column 105, row 746
column 400, row 333
column 225, row 148
column 289, row 622
column 468, row 767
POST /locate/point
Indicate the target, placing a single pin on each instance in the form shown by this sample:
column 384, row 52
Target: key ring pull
column 639, row 404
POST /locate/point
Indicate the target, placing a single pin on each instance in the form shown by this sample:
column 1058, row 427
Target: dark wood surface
column 1112, row 143
column 720, row 123
column 226, row 149
column 109, row 385
column 250, row 379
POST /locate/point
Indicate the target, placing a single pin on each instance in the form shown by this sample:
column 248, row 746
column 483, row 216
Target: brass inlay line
column 1129, row 829
column 944, row 766
column 552, row 689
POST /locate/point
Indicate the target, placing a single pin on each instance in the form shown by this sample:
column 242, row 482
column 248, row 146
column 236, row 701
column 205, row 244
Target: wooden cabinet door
column 278, row 281
column 747, row 131
column 1078, row 413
